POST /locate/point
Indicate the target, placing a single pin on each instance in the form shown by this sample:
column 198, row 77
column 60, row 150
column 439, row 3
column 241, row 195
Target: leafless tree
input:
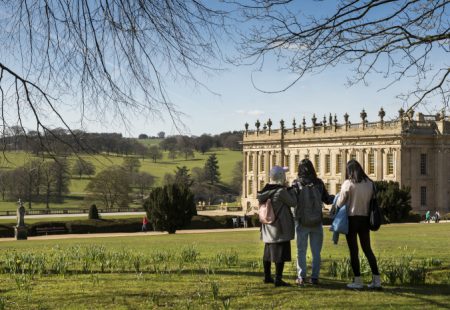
column 399, row 39
column 106, row 56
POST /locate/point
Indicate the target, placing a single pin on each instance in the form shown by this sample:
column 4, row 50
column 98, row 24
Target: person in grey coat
column 278, row 235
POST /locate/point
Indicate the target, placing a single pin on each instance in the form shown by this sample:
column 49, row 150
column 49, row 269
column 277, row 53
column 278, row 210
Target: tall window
column 250, row 188
column 296, row 162
column 338, row 163
column 317, row 163
column 262, row 163
column 423, row 164
column 286, row 161
column 274, row 160
column 261, row 184
column 250, row 163
column 327, row 163
column 371, row 159
column 390, row 163
column 423, row 195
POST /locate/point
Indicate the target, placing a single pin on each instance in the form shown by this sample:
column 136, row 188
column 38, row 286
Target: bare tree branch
column 398, row 39
column 112, row 57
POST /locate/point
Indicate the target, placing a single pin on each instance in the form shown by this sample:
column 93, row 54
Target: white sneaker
column 376, row 282
column 356, row 284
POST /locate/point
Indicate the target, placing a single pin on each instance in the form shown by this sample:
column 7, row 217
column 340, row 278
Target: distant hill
column 227, row 160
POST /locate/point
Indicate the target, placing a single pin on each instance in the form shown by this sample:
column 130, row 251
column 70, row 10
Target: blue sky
column 231, row 100
column 237, row 101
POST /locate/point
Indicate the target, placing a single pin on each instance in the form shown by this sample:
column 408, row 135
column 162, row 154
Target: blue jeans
column 315, row 235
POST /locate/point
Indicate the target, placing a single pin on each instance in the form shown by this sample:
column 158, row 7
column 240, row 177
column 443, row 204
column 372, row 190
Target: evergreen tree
column 393, row 200
column 170, row 207
column 93, row 213
column 182, row 177
column 212, row 169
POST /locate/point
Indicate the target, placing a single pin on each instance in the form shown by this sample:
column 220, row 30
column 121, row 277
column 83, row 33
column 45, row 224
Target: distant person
column 356, row 192
column 144, row 223
column 311, row 194
column 427, row 216
column 245, row 219
column 278, row 235
column 437, row 217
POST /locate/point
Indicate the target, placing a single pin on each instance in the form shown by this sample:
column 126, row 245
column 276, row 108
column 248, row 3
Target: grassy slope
column 227, row 160
column 241, row 284
column 150, row 142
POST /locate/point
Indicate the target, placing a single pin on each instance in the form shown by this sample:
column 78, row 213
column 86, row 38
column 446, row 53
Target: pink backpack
column 266, row 213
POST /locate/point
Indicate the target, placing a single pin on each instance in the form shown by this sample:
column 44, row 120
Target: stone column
column 255, row 174
column 398, row 165
column 441, row 180
column 266, row 166
column 257, row 170
column 379, row 165
column 385, row 170
column 407, row 165
column 343, row 164
column 244, row 174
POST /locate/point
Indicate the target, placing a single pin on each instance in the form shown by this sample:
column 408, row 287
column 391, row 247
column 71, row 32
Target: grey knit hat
column 277, row 175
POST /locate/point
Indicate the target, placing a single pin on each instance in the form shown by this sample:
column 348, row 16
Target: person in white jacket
column 356, row 192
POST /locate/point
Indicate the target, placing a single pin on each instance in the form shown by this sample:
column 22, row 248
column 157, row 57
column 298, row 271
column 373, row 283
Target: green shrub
column 393, row 200
column 93, row 213
column 210, row 222
column 170, row 207
column 6, row 231
column 413, row 218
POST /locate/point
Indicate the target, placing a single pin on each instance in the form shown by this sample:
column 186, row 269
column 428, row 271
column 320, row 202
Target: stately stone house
column 412, row 150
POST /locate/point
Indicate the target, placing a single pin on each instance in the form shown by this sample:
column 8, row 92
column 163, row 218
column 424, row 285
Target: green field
column 212, row 271
column 227, row 160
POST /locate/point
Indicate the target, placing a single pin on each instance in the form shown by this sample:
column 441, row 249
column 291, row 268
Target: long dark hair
column 355, row 172
column 306, row 170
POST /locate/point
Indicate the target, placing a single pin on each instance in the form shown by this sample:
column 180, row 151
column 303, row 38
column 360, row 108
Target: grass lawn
column 211, row 271
column 227, row 160
column 150, row 142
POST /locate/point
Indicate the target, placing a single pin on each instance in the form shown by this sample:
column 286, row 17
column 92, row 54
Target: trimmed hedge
column 6, row 231
column 135, row 224
column 413, row 218
column 120, row 225
column 210, row 222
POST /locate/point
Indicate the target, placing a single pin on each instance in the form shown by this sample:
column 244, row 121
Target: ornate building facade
column 414, row 151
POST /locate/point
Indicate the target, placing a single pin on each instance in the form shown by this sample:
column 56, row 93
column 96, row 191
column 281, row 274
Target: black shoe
column 314, row 281
column 281, row 283
column 269, row 280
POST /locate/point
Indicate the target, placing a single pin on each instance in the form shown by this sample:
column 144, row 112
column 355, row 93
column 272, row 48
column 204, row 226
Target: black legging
column 278, row 270
column 359, row 225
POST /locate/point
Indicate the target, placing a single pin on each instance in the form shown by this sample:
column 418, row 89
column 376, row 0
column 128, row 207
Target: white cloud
column 250, row 112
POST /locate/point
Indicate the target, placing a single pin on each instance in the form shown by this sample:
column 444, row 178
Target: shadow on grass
column 420, row 293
